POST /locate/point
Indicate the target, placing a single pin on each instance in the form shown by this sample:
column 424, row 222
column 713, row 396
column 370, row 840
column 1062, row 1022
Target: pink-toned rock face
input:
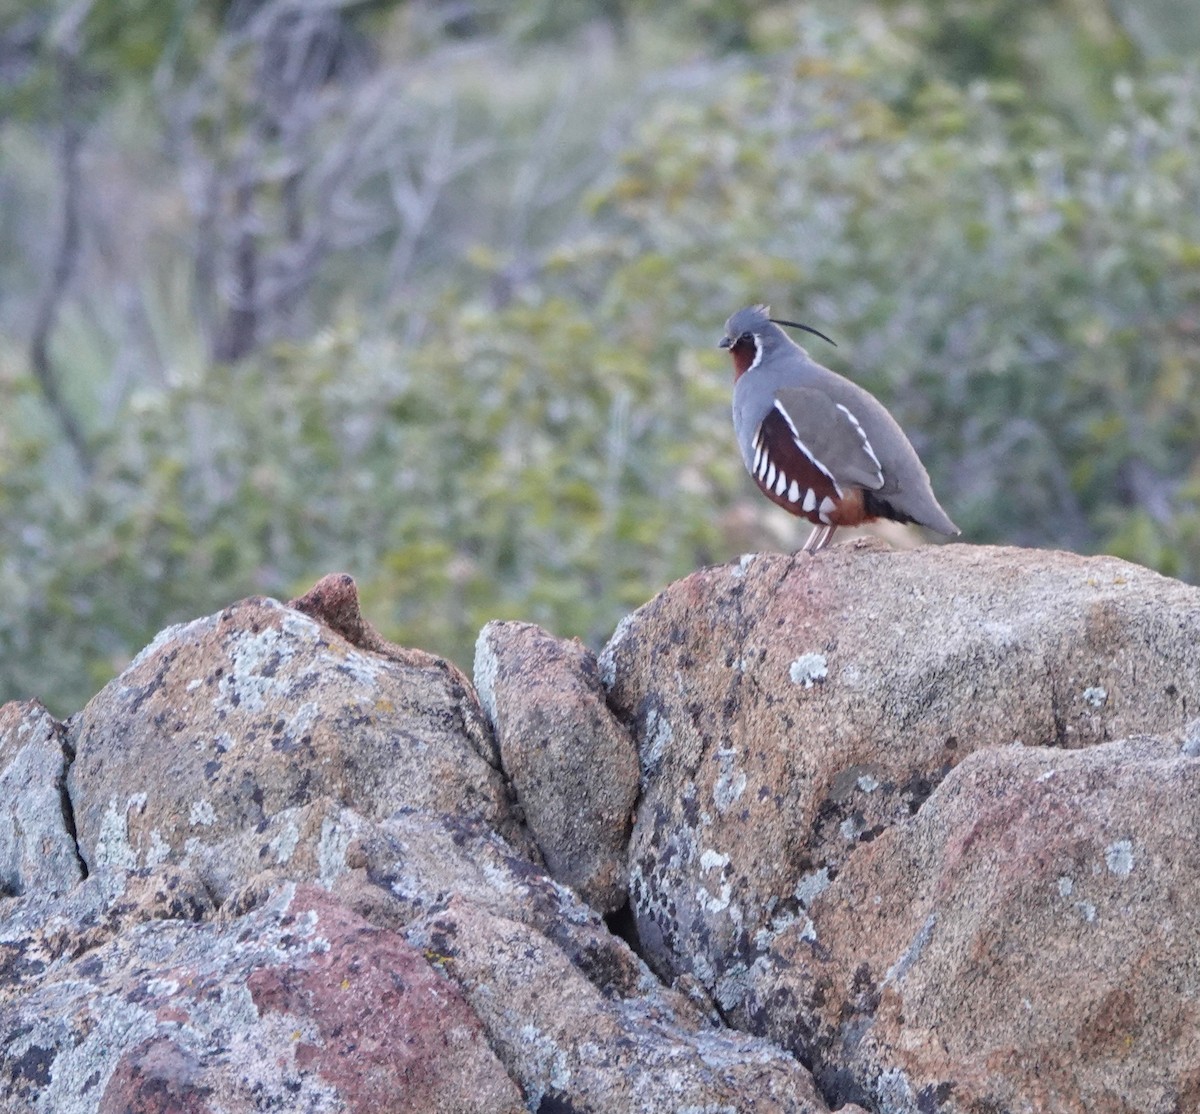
column 1027, row 941
column 791, row 713
column 298, row 1005
column 378, row 1024
column 224, row 723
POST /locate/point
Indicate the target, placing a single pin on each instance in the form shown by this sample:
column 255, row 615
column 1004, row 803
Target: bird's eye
column 746, row 338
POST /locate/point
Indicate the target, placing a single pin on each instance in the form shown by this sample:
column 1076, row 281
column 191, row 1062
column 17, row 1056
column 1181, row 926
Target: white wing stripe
column 787, row 418
column 866, row 442
column 805, row 449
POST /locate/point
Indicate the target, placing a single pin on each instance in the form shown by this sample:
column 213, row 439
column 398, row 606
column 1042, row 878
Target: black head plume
column 806, row 328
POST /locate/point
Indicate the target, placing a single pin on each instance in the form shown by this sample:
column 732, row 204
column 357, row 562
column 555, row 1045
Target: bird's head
column 752, row 333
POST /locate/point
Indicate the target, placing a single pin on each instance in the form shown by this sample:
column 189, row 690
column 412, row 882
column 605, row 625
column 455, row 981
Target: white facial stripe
column 758, row 353
column 866, row 443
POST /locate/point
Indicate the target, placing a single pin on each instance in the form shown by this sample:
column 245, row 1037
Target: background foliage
column 427, row 292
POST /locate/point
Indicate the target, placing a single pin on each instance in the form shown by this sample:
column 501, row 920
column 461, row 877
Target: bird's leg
column 818, row 539
column 824, row 539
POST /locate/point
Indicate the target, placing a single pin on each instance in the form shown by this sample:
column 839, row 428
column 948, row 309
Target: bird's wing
column 830, row 435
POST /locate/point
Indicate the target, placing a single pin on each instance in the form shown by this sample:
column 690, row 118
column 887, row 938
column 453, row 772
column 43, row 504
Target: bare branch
column 416, row 195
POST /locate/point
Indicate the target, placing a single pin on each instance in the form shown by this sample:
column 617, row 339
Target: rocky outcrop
column 900, row 832
column 302, row 880
column 819, row 845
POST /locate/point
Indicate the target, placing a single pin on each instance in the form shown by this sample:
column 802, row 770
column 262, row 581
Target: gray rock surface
column 43, row 931
column 574, row 1048
column 37, row 848
column 572, row 763
column 221, row 724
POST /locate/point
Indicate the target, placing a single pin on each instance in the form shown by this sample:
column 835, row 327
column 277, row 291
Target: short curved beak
column 725, row 342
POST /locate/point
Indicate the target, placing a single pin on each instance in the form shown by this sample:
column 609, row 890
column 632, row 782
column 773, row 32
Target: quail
column 816, row 444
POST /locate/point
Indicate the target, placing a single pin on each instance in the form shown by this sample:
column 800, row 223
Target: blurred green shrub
column 517, row 410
